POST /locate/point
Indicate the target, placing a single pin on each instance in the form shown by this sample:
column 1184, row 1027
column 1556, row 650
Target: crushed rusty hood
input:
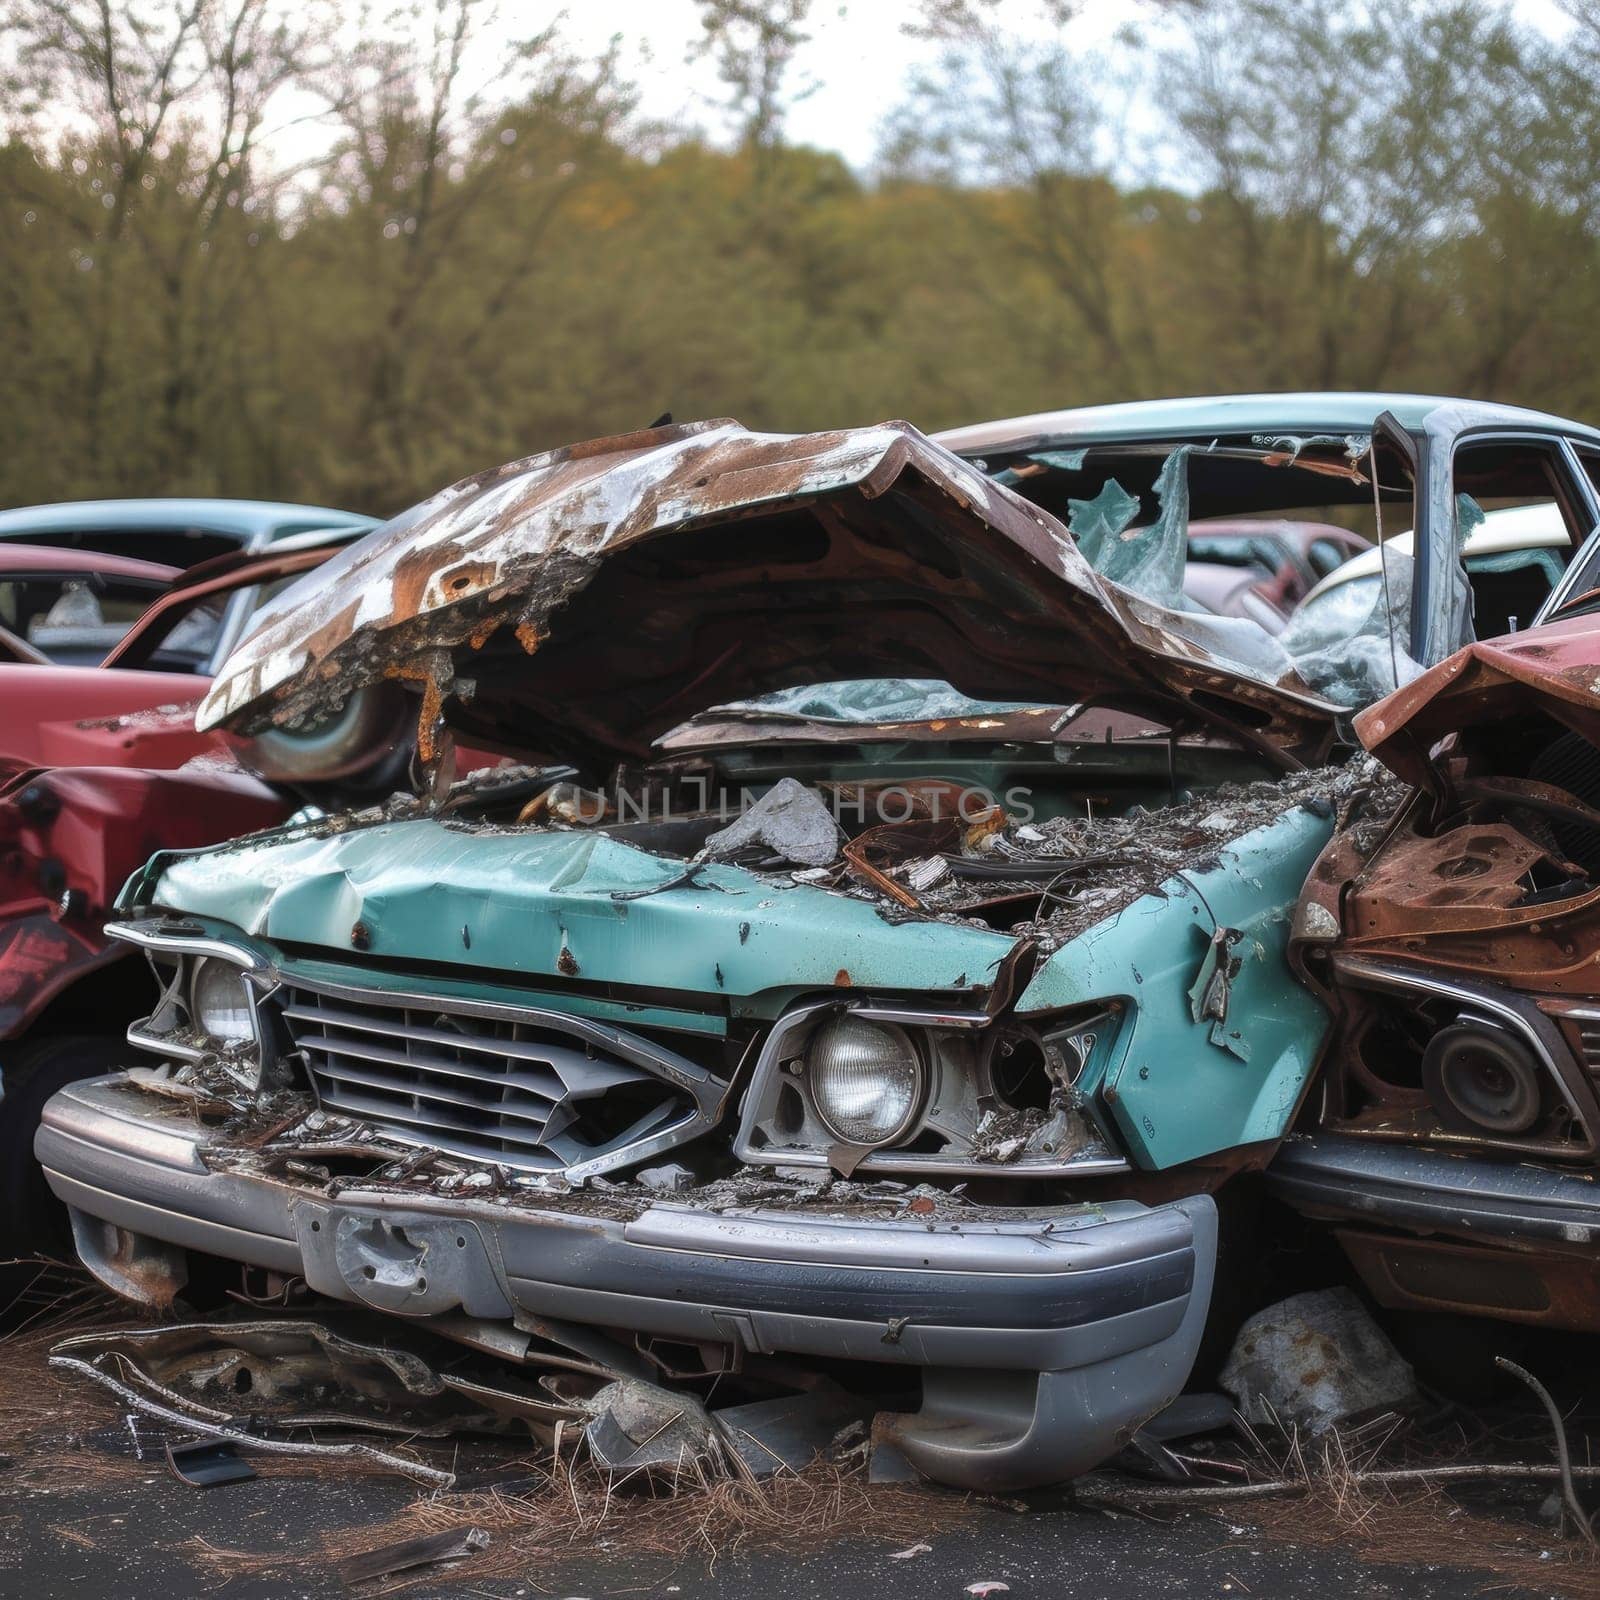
column 1551, row 671
column 581, row 602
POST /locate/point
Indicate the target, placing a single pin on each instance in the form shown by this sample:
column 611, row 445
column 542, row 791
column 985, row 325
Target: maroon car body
column 1262, row 568
column 100, row 766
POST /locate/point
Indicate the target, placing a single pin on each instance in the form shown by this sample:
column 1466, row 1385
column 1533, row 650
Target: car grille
column 1589, row 1041
column 521, row 1087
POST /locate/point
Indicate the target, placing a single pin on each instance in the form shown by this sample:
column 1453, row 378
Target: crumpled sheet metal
column 103, row 1358
column 1011, row 598
column 288, row 1372
column 487, row 536
column 1554, row 669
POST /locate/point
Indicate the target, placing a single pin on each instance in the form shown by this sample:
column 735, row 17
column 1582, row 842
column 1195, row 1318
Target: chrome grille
column 523, row 1087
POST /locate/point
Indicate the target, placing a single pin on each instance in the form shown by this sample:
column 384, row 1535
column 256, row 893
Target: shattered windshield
column 871, row 700
column 1139, row 513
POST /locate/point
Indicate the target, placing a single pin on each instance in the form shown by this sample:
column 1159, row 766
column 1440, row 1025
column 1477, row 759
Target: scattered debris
column 1313, row 1360
column 205, row 1463
column 789, row 822
column 635, row 1425
column 415, row 1470
column 426, row 1551
column 910, row 1551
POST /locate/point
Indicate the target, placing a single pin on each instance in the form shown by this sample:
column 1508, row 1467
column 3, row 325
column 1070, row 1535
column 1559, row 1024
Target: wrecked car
column 726, row 1034
column 1452, row 1140
column 100, row 765
column 179, row 533
column 70, row 606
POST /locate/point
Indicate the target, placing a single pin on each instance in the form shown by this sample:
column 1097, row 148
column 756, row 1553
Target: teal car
column 870, row 956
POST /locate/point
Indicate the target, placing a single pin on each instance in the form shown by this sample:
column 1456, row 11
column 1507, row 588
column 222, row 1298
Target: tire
column 32, row 1220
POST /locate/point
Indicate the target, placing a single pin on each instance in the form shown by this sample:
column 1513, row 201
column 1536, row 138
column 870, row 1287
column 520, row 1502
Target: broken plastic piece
column 790, row 1431
column 206, row 1463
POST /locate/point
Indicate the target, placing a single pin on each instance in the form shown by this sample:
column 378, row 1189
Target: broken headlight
column 207, row 1018
column 893, row 1087
column 219, row 1002
column 865, row 1078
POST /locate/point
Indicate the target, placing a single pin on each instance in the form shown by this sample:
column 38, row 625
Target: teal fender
column 1178, row 1082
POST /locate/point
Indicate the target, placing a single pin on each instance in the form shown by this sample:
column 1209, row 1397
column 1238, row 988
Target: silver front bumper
column 1044, row 1340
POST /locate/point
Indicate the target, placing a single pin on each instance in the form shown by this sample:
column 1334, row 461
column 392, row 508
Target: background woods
column 323, row 253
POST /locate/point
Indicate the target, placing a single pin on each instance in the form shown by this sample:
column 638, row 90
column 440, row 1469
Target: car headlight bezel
column 779, row 1125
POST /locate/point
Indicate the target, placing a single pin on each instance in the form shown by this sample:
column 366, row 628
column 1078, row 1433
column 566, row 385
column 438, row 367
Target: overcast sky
column 857, row 61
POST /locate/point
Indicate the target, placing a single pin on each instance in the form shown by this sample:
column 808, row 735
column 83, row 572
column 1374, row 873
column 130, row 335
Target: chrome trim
column 906, row 1016
column 706, row 1092
column 161, row 937
column 261, row 980
column 775, row 1049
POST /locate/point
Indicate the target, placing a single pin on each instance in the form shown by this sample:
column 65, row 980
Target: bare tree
column 754, row 43
column 162, row 104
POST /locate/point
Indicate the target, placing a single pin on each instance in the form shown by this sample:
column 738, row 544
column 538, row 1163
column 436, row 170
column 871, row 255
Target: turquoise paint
column 245, row 520
column 1196, row 415
column 541, row 904
column 1171, row 1094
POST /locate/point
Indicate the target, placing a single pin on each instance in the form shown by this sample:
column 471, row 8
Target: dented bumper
column 1044, row 1338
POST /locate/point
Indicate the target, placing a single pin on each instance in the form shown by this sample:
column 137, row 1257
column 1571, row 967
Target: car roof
column 244, row 520
column 1535, row 527
column 52, row 559
column 1199, row 415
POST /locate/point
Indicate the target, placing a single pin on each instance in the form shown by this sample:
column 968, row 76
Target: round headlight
column 219, row 1003
column 865, row 1078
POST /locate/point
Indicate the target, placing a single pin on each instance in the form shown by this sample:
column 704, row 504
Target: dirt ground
column 82, row 1515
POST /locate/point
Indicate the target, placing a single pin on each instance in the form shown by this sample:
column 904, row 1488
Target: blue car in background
column 180, row 533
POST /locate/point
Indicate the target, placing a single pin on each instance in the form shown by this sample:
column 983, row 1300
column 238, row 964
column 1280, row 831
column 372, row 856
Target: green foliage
column 473, row 265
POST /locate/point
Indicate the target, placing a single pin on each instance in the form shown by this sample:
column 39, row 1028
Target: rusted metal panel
column 1553, row 669
column 604, row 576
column 1439, row 1275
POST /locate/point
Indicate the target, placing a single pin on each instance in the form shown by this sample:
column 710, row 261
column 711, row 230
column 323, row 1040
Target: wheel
column 32, row 1220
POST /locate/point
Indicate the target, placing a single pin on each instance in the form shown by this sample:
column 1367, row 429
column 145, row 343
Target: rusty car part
column 1446, row 1275
column 1548, row 672
column 406, row 1555
column 881, row 548
column 65, row 1358
column 285, row 1373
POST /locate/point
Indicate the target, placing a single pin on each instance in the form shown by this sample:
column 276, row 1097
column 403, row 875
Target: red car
column 100, row 766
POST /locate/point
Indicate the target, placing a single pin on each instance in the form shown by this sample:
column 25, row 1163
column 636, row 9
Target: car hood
column 581, row 602
column 1554, row 670
column 564, row 907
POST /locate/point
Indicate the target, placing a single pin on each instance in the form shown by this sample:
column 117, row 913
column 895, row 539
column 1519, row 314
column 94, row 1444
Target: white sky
column 856, row 64
column 859, row 59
